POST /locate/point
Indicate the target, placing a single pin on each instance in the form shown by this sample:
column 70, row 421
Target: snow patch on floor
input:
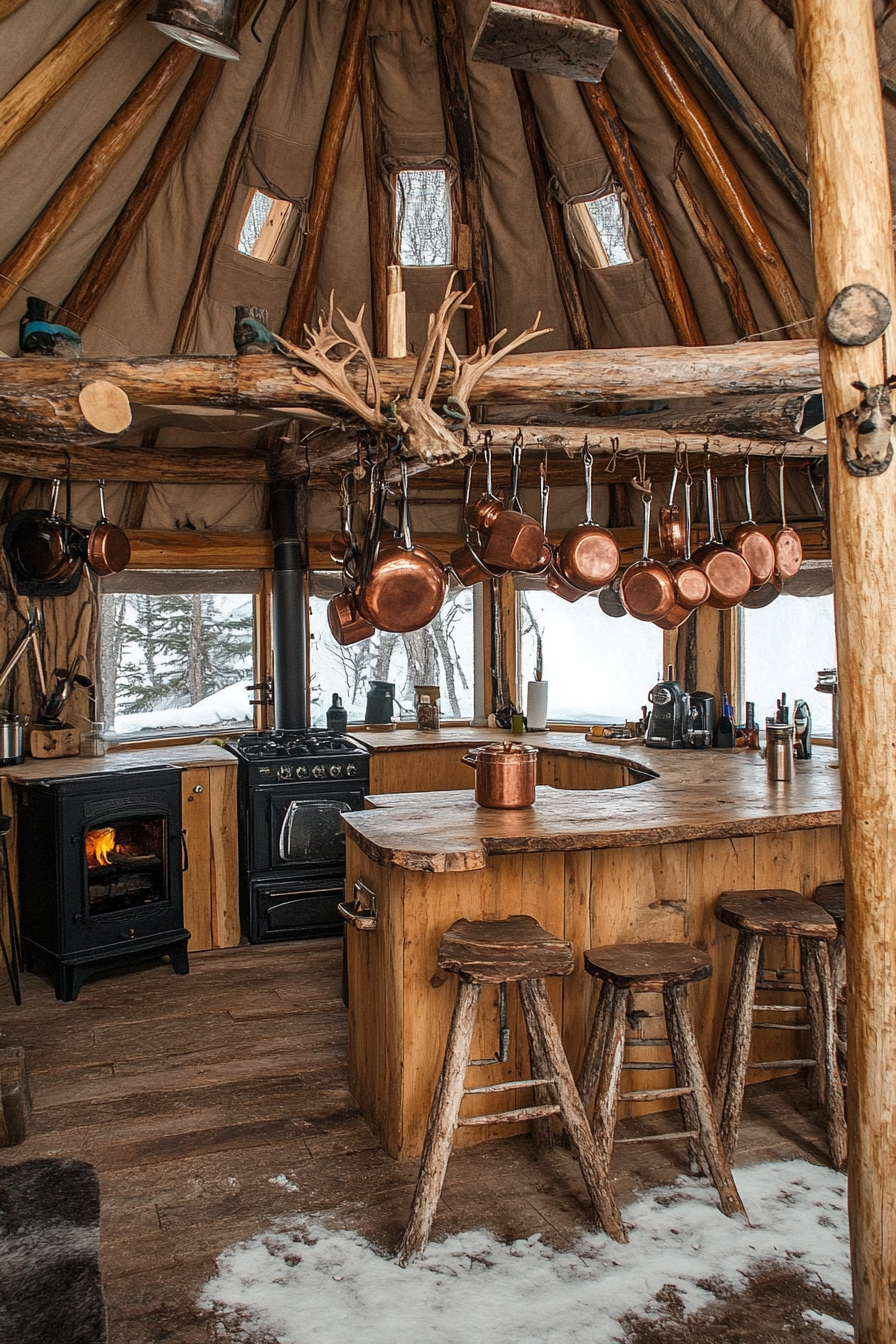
column 307, row 1281
column 830, row 1323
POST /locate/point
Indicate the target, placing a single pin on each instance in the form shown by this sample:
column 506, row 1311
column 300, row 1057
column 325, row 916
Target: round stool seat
column 831, row 896
column 487, row 952
column 648, row 965
column 773, row 911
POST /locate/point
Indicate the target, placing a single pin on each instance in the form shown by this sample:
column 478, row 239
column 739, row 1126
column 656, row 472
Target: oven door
column 293, row 830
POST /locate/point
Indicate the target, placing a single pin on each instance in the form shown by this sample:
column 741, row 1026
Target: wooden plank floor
column 193, row 1095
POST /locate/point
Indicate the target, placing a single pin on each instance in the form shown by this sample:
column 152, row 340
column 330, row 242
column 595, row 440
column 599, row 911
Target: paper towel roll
column 536, row 705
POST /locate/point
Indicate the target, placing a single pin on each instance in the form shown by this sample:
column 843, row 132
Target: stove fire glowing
column 100, row 847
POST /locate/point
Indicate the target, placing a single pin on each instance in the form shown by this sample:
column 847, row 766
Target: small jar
column 93, row 743
column 427, row 714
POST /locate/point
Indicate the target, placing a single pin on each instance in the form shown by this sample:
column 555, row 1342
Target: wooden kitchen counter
column 605, row 864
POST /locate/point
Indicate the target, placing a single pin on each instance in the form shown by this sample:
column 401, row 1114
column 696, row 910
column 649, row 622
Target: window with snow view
column 423, row 217
column 176, row 651
column 441, row 654
column 784, row 647
column 265, row 230
column 609, row 224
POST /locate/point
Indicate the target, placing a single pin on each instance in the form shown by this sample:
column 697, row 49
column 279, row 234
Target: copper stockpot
column 751, row 542
column 506, row 774
column 730, row 577
column 647, row 588
column 788, row 547
column 588, row 556
column 404, row 586
column 514, row 541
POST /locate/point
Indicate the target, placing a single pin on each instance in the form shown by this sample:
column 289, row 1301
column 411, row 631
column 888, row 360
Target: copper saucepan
column 108, row 548
column 730, row 577
column 484, row 511
column 691, row 583
column 788, row 547
column 465, row 562
column 672, row 526
column 557, row 584
column 588, row 556
column 405, row 586
column 514, row 540
column 751, row 542
column 647, row 588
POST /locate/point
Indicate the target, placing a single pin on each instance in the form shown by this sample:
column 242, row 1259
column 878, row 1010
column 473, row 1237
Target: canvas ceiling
column 140, row 310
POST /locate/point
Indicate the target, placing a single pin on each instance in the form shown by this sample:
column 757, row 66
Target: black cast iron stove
column 294, row 785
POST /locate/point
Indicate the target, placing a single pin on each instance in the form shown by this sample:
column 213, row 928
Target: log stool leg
column 542, row 1133
column 596, row 1048
column 442, row 1123
column 603, row 1122
column 822, row 1017
column 543, row 1027
column 734, row 1045
column 696, row 1109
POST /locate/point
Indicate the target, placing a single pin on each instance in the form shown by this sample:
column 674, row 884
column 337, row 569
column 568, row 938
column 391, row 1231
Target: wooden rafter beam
column 377, row 201
column 716, row 162
column 719, row 257
column 92, row 169
column 48, row 80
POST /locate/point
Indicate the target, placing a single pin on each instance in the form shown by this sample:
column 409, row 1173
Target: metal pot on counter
column 505, row 774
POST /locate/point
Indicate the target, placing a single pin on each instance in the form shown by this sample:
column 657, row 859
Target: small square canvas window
column 423, row 217
column 264, row 227
column 606, row 215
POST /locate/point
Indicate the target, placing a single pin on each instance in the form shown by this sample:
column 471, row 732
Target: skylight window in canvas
column 606, row 215
column 264, row 227
column 423, row 217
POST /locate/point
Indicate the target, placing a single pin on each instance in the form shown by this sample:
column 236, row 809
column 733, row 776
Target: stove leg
column 68, row 981
column 179, row 960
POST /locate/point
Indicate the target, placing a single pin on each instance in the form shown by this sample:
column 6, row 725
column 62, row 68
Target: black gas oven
column 294, row 786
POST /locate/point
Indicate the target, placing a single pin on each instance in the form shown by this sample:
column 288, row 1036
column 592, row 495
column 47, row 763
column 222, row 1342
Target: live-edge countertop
column 199, row 754
column 689, row 795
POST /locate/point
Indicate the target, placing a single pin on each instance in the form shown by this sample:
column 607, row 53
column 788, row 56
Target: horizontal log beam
column 641, row 439
column 265, row 381
column 109, row 461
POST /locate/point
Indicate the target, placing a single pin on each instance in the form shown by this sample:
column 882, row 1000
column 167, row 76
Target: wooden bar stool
column 489, row 953
column 633, row 968
column 831, row 896
column 757, row 915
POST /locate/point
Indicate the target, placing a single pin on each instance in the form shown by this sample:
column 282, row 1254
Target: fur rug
column 50, row 1288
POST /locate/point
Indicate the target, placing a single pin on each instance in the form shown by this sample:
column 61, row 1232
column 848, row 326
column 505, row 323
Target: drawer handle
column 361, row 912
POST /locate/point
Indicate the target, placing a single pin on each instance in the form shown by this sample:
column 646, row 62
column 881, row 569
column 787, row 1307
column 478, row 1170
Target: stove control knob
column 285, row 772
column 301, row 772
column 351, row 771
column 335, row 771
column 318, row 771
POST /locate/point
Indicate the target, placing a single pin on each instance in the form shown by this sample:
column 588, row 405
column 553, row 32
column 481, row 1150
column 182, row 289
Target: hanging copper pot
column 480, row 514
column 40, row 544
column 346, row 624
column 751, row 542
column 647, row 588
column 788, row 547
column 465, row 562
column 514, row 540
column 557, row 584
column 691, row 584
column 108, row 548
column 405, row 586
column 730, row 577
column 671, row 526
column 588, row 556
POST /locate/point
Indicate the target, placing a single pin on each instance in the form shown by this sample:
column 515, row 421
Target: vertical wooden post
column 396, row 315
column 377, row 202
column 850, row 195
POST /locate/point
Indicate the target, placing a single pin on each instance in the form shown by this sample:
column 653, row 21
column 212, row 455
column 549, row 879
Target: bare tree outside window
column 256, row 215
column 423, row 211
column 606, row 216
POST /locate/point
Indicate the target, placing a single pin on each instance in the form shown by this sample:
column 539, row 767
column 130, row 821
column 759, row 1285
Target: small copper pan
column 557, row 584
column 691, row 583
column 108, row 548
column 788, row 547
column 481, row 514
column 672, row 526
column 346, row 624
column 752, row 543
column 465, row 562
column 647, row 588
column 515, row 541
column 588, row 556
column 730, row 577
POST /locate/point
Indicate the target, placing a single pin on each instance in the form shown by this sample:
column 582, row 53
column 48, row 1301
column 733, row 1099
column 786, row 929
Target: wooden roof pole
column 343, row 91
column 552, row 217
column 223, row 199
column 377, row 202
column 92, row 169
column 460, row 126
column 705, row 61
column 720, row 258
column 8, row 7
column 850, row 192
column 82, row 300
column 49, row 79
column 715, row 161
column 644, row 213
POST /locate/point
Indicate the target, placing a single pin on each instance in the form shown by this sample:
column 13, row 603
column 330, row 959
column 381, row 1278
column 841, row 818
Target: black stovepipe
column 289, row 610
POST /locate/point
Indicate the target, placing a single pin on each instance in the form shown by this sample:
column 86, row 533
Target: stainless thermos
column 778, row 751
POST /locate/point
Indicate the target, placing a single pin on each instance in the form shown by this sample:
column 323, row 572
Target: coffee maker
column 666, row 724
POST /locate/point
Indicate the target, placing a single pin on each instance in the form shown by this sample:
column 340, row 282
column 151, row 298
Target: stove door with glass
column 293, row 828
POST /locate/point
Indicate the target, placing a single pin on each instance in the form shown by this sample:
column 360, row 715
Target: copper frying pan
column 108, row 548
column 588, row 556
column 752, row 543
column 647, row 588
column 405, row 585
column 788, row 547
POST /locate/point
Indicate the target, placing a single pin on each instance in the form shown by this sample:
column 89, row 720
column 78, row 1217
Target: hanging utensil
column 647, row 589
column 108, row 548
column 749, row 541
column 788, row 547
column 515, row 541
column 347, row 625
column 405, row 586
column 729, row 575
column 38, row 545
column 464, row 561
column 588, row 556
column 481, row 514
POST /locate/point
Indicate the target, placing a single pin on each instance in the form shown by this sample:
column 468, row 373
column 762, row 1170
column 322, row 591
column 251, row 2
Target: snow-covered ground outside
column 307, row 1282
column 229, row 705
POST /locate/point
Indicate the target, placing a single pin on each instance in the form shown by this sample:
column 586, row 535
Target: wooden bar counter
column 623, row 844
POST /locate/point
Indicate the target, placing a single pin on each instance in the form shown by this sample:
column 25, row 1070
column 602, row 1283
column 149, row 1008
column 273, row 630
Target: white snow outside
column 228, row 706
column 786, row 644
column 306, row 1281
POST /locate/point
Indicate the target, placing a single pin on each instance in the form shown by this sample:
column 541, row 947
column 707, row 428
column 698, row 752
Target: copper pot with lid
column 647, row 588
column 751, row 542
column 404, row 585
column 506, row 774
column 788, row 547
column 588, row 556
column 730, row 577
